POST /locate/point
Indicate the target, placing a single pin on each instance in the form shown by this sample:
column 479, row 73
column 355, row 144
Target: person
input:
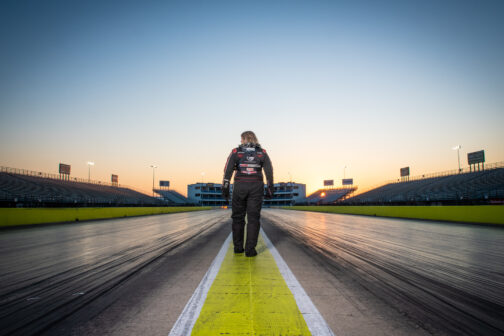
column 248, row 160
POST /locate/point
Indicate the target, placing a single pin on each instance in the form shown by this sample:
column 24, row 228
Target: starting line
column 250, row 296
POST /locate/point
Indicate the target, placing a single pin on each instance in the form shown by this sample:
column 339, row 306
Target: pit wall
column 487, row 214
column 27, row 216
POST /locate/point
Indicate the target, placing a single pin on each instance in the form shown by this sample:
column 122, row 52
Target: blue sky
column 371, row 85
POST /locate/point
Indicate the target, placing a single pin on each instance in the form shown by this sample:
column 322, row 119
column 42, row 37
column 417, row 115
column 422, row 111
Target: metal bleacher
column 328, row 196
column 172, row 197
column 478, row 186
column 17, row 188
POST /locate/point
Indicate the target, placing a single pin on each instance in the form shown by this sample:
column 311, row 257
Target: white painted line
column 190, row 314
column 313, row 319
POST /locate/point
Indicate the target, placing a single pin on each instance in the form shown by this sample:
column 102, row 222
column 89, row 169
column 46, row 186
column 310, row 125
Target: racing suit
column 248, row 160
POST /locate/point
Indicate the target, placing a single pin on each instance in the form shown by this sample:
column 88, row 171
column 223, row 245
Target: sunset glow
column 371, row 87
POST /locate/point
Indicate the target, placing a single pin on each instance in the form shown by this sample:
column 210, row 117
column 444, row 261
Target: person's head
column 248, row 137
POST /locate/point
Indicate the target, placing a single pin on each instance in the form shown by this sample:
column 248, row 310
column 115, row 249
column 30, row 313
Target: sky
column 370, row 85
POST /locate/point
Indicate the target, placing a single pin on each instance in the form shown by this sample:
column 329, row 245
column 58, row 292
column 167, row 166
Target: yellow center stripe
column 249, row 296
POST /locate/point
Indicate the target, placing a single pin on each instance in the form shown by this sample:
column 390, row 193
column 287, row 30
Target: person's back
column 248, row 160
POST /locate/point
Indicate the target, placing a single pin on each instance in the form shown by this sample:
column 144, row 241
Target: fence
column 465, row 170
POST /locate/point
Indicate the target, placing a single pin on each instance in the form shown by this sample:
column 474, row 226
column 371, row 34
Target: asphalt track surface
column 446, row 276
column 134, row 275
column 48, row 273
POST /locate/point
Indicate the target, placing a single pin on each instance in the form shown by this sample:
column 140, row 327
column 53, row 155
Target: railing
column 63, row 177
column 465, row 170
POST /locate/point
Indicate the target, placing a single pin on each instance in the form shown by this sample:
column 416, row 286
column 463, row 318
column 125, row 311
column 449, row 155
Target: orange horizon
column 180, row 185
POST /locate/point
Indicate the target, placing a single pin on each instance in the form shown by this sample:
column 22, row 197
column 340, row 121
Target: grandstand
column 29, row 188
column 172, row 197
column 477, row 187
column 328, row 196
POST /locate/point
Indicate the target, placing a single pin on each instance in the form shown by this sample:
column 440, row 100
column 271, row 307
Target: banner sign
column 64, row 169
column 328, row 183
column 476, row 157
column 348, row 181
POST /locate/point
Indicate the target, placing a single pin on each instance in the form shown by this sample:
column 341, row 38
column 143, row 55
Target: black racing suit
column 248, row 190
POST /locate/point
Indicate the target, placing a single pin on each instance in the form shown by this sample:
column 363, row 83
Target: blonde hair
column 249, row 136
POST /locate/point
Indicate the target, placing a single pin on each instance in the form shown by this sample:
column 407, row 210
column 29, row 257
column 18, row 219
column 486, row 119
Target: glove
column 225, row 189
column 269, row 192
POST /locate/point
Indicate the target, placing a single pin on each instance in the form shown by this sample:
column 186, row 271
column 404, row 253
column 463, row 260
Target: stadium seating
column 19, row 188
column 457, row 188
column 328, row 196
column 172, row 197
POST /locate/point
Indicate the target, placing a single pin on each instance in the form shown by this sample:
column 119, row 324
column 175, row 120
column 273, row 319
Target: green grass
column 488, row 214
column 26, row 216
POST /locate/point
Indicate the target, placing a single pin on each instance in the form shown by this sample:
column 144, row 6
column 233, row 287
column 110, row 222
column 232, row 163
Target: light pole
column 153, row 167
column 202, row 177
column 344, row 172
column 89, row 170
column 457, row 148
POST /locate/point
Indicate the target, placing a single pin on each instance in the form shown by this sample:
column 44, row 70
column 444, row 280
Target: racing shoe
column 251, row 253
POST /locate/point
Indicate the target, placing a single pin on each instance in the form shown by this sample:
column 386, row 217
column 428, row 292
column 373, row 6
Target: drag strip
column 250, row 296
column 444, row 276
column 49, row 272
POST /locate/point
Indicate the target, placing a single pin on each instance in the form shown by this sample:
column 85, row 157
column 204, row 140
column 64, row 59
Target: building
column 287, row 193
column 210, row 194
column 206, row 194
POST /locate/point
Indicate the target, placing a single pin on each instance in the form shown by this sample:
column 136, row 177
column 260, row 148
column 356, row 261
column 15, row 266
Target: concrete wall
column 24, row 216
